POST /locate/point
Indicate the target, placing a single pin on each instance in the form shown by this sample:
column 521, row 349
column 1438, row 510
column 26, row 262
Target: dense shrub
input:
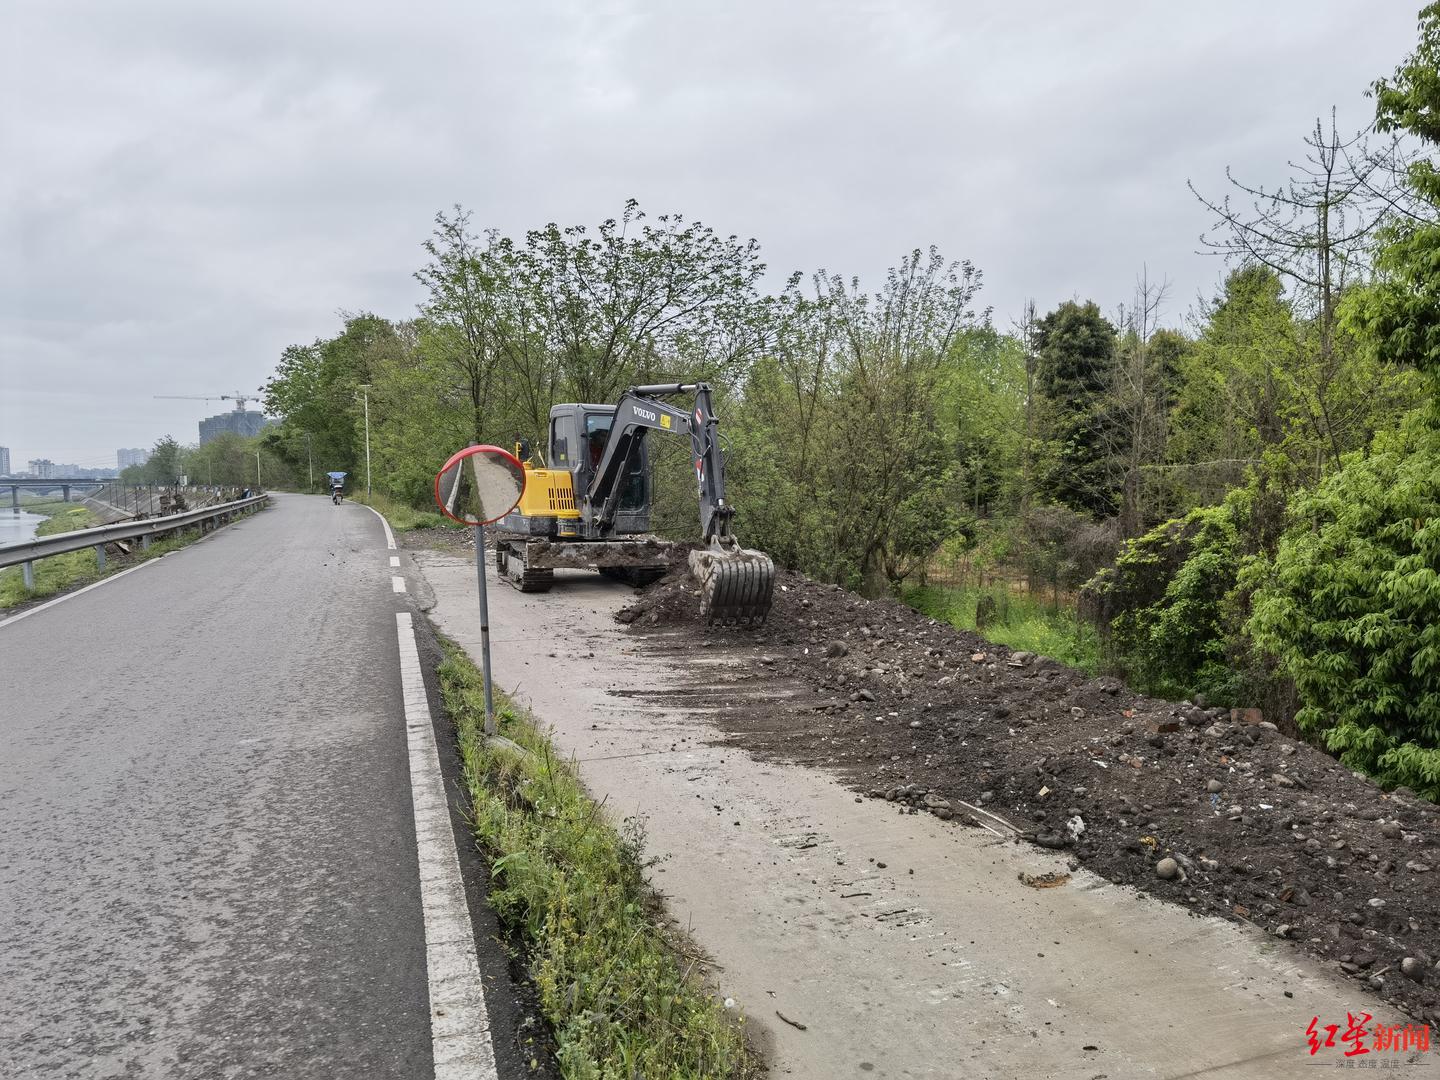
column 1166, row 604
column 1350, row 605
column 1062, row 549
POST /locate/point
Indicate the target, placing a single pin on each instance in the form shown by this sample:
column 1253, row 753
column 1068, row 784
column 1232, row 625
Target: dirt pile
column 1219, row 813
column 674, row 599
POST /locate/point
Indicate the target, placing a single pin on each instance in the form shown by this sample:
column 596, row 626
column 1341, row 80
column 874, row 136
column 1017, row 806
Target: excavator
column 590, row 507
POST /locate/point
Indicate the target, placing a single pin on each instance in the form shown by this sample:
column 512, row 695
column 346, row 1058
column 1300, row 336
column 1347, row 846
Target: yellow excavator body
column 548, row 493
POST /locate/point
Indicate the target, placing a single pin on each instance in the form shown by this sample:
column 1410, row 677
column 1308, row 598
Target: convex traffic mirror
column 479, row 484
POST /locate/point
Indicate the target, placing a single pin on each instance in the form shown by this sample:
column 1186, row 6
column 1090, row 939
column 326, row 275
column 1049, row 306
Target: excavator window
column 559, row 445
column 597, row 435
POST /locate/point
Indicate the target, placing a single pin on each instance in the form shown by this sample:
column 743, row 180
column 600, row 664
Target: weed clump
column 620, row 998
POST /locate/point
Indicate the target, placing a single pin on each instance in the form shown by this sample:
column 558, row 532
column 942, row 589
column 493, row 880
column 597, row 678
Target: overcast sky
column 187, row 187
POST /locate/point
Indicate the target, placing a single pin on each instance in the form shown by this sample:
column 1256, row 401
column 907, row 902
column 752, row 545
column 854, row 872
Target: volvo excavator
column 590, row 507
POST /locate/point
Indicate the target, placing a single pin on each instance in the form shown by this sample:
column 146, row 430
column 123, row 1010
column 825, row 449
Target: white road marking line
column 71, row 595
column 397, row 583
column 394, row 560
column 459, row 1023
column 389, row 536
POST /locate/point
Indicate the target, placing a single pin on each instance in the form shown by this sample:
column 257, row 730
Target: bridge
column 40, row 485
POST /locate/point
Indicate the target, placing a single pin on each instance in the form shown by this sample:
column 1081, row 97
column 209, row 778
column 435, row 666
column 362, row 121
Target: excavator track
column 527, row 579
column 737, row 585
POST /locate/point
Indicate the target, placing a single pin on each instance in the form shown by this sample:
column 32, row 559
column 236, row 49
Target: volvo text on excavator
column 590, row 508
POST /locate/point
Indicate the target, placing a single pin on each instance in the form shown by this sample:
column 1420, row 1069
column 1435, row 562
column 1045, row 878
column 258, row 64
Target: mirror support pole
column 484, row 629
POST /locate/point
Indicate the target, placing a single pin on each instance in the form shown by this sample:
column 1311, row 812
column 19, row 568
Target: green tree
column 419, row 417
column 1401, row 312
column 315, row 394
column 631, row 300
column 783, row 435
column 1075, row 372
column 509, row 329
column 1142, row 387
column 1062, row 548
column 226, row 460
column 980, row 410
column 164, row 465
column 888, row 451
column 465, row 280
column 843, row 465
column 1234, row 409
column 1166, row 604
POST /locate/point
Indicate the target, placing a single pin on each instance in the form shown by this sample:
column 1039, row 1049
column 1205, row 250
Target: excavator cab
column 579, row 435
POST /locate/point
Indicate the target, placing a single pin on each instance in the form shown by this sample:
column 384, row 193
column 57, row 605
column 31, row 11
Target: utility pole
column 257, row 472
column 310, row 461
column 365, row 395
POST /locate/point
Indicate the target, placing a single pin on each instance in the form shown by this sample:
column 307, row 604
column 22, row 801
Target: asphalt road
column 208, row 862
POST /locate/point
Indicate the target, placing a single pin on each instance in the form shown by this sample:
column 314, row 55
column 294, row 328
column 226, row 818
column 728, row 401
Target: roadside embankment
column 59, row 572
column 858, row 938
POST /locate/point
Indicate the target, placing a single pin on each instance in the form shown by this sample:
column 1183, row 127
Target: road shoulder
column 899, row 941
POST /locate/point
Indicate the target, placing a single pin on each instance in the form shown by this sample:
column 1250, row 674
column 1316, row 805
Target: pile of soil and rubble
column 1221, row 813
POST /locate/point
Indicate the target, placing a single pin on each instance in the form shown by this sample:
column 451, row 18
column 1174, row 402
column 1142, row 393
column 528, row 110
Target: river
column 17, row 527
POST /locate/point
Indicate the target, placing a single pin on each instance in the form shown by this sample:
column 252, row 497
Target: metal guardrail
column 144, row 530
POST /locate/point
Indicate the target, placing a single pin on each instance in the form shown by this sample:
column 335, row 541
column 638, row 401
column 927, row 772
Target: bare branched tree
column 1315, row 232
column 1025, row 331
column 1140, row 402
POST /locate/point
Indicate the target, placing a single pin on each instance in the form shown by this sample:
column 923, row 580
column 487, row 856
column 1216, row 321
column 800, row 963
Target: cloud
column 192, row 187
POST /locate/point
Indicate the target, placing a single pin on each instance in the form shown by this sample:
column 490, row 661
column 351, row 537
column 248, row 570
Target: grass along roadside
column 402, row 516
column 46, row 505
column 1021, row 622
column 620, row 998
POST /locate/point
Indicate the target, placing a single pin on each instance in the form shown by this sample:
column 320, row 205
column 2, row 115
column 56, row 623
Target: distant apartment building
column 240, row 422
column 4, row 461
column 42, row 468
column 125, row 458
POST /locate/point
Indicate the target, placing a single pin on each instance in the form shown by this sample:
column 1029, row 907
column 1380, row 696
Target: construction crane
column 237, row 397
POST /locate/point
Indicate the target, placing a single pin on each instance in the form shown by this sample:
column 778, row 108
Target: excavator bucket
column 736, row 584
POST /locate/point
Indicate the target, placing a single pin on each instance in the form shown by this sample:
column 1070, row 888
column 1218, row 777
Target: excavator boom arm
column 640, row 410
column 736, row 584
